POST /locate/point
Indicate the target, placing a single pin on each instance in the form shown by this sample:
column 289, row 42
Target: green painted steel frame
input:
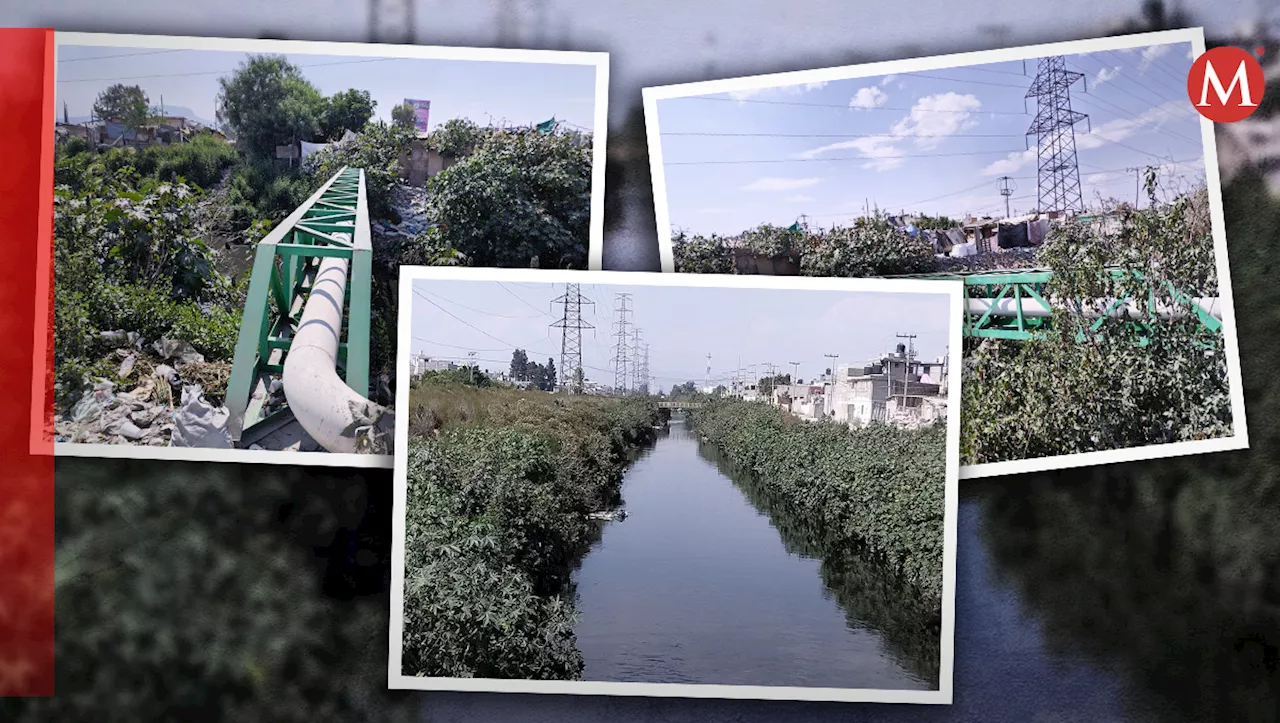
column 284, row 266
column 1031, row 284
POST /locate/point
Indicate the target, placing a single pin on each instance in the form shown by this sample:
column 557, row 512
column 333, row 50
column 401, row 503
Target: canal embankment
column 500, row 484
column 879, row 489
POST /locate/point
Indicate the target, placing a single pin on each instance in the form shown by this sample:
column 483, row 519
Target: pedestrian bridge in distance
column 679, row 405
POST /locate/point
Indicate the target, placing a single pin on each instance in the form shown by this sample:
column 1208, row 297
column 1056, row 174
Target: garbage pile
column 411, row 203
column 166, row 406
column 996, row 260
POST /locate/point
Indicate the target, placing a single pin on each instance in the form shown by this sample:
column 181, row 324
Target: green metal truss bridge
column 305, row 330
column 1014, row 305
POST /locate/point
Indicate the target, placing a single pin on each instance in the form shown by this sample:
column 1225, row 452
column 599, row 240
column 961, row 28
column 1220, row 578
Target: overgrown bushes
column 869, row 247
column 878, row 487
column 521, row 197
column 499, row 486
column 1084, row 389
column 127, row 257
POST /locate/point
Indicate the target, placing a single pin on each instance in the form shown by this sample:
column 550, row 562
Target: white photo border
column 1240, row 437
column 40, row 444
column 943, row 695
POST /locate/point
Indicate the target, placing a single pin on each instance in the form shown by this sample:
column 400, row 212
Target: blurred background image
column 1138, row 592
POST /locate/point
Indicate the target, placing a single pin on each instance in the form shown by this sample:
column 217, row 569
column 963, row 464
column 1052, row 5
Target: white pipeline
column 1095, row 308
column 321, row 402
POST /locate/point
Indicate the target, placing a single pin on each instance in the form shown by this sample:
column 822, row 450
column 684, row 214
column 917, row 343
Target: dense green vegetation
column 1062, row 394
column 880, row 489
column 144, row 238
column 128, row 256
column 868, row 592
column 500, row 483
column 193, row 591
column 871, row 246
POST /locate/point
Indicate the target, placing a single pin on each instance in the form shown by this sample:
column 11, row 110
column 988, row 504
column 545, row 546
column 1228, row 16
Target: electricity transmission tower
column 637, row 377
column 1007, row 187
column 706, row 380
column 622, row 331
column 391, row 21
column 1058, row 174
column 571, row 325
column 643, row 371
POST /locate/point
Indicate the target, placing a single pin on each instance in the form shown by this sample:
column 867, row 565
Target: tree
column 521, row 199
column 549, row 378
column 403, row 115
column 459, row 137
column 519, row 365
column 127, row 104
column 267, row 102
column 349, row 110
column 766, row 384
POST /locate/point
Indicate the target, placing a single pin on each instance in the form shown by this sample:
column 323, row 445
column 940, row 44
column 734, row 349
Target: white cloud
column 935, row 117
column 769, row 183
column 784, row 89
column 1106, row 74
column 882, row 153
column 869, row 97
column 931, row 120
column 1151, row 54
column 1121, row 128
column 801, row 199
column 1011, row 163
column 885, row 81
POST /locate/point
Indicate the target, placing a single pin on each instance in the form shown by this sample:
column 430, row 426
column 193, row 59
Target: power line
column 121, row 55
column 966, row 80
column 848, row 135
column 522, row 300
column 479, row 311
column 843, row 158
column 844, row 106
column 464, row 321
column 217, row 72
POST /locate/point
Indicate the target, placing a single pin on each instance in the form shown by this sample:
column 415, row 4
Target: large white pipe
column 321, row 402
column 1032, row 309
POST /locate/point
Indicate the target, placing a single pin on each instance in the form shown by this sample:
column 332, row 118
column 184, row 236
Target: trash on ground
column 198, row 423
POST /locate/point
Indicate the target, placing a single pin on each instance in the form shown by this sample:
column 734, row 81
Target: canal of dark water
column 707, row 581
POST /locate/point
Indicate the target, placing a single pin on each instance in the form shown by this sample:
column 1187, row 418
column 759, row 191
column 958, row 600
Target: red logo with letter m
column 1225, row 84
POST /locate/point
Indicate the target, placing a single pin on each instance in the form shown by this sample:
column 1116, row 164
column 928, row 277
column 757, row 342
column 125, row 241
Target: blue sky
column 932, row 142
column 681, row 325
column 519, row 93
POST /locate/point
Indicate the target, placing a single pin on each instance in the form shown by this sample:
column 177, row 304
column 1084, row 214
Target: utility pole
column 830, row 402
column 1007, row 188
column 706, row 380
column 622, row 330
column 571, row 325
column 471, row 365
column 1058, row 173
column 1137, row 183
column 795, row 371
